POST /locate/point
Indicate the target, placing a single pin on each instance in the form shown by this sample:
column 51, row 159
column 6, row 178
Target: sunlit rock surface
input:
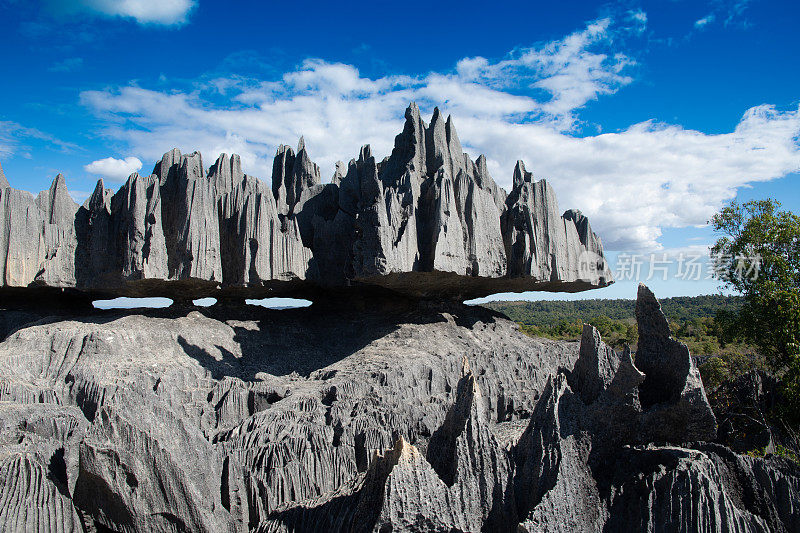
column 424, row 222
column 417, row 417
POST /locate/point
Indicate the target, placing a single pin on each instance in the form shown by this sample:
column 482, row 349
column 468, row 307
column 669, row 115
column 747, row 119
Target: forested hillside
column 551, row 311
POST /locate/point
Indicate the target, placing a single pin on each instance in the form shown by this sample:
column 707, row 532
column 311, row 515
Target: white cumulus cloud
column 569, row 70
column 631, row 183
column 163, row 12
column 114, row 169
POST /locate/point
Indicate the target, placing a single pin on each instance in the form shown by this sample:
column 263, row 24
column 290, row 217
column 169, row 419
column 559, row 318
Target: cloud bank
column 632, row 183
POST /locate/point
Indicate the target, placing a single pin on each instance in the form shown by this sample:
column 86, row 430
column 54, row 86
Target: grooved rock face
column 3, row 180
column 672, row 392
column 593, row 456
column 428, row 417
column 209, row 423
column 39, row 466
column 425, row 222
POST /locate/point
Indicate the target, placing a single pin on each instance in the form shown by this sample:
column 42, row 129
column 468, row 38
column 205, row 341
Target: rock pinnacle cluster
column 425, row 222
column 360, row 413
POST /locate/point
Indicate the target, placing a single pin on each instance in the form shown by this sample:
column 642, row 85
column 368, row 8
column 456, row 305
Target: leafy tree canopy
column 758, row 255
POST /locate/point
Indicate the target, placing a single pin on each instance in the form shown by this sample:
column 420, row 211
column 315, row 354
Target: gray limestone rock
column 141, row 245
column 194, row 232
column 21, row 228
column 461, row 485
column 37, row 237
column 672, row 392
column 425, row 222
column 58, row 239
column 468, row 458
column 3, row 181
column 544, row 245
column 39, row 466
column 229, row 422
column 95, row 232
column 292, row 175
column 703, row 488
column 245, row 419
column 587, row 462
column 31, row 501
column 149, row 469
column 555, row 490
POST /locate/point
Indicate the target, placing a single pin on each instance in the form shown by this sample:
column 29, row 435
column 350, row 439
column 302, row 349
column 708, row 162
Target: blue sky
column 647, row 115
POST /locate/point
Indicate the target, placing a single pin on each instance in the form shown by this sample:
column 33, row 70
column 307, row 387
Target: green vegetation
column 678, row 309
column 691, row 318
column 780, row 451
column 758, row 256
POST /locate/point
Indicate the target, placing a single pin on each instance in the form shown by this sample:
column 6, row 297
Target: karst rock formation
column 426, row 221
column 426, row 417
column 385, row 406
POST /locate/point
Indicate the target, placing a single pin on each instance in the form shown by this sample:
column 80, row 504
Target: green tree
column 758, row 255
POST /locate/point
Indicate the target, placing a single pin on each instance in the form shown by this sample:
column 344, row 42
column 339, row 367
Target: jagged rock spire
column 96, row 200
column 56, row 203
column 590, row 431
column 339, row 173
column 168, row 166
column 672, row 386
column 467, row 457
column 521, row 176
column 425, row 222
column 226, row 173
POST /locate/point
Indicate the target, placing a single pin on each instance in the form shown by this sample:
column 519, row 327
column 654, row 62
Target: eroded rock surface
column 672, row 391
column 39, row 466
column 426, row 417
column 589, row 459
column 426, row 221
column 214, row 424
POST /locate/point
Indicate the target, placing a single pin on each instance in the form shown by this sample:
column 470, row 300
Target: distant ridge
column 550, row 311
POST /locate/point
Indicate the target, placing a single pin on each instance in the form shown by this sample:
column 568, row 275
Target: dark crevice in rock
column 225, row 495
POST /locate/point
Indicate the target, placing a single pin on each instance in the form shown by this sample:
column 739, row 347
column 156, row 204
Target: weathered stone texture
column 427, row 221
column 424, row 418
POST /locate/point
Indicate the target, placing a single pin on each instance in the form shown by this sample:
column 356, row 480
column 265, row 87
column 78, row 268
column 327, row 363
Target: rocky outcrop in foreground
column 426, row 221
column 433, row 417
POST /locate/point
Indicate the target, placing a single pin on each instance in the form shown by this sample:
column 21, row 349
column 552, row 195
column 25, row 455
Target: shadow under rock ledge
column 276, row 342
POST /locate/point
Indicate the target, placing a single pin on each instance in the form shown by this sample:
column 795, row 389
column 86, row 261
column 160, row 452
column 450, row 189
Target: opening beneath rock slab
column 280, row 303
column 124, row 302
